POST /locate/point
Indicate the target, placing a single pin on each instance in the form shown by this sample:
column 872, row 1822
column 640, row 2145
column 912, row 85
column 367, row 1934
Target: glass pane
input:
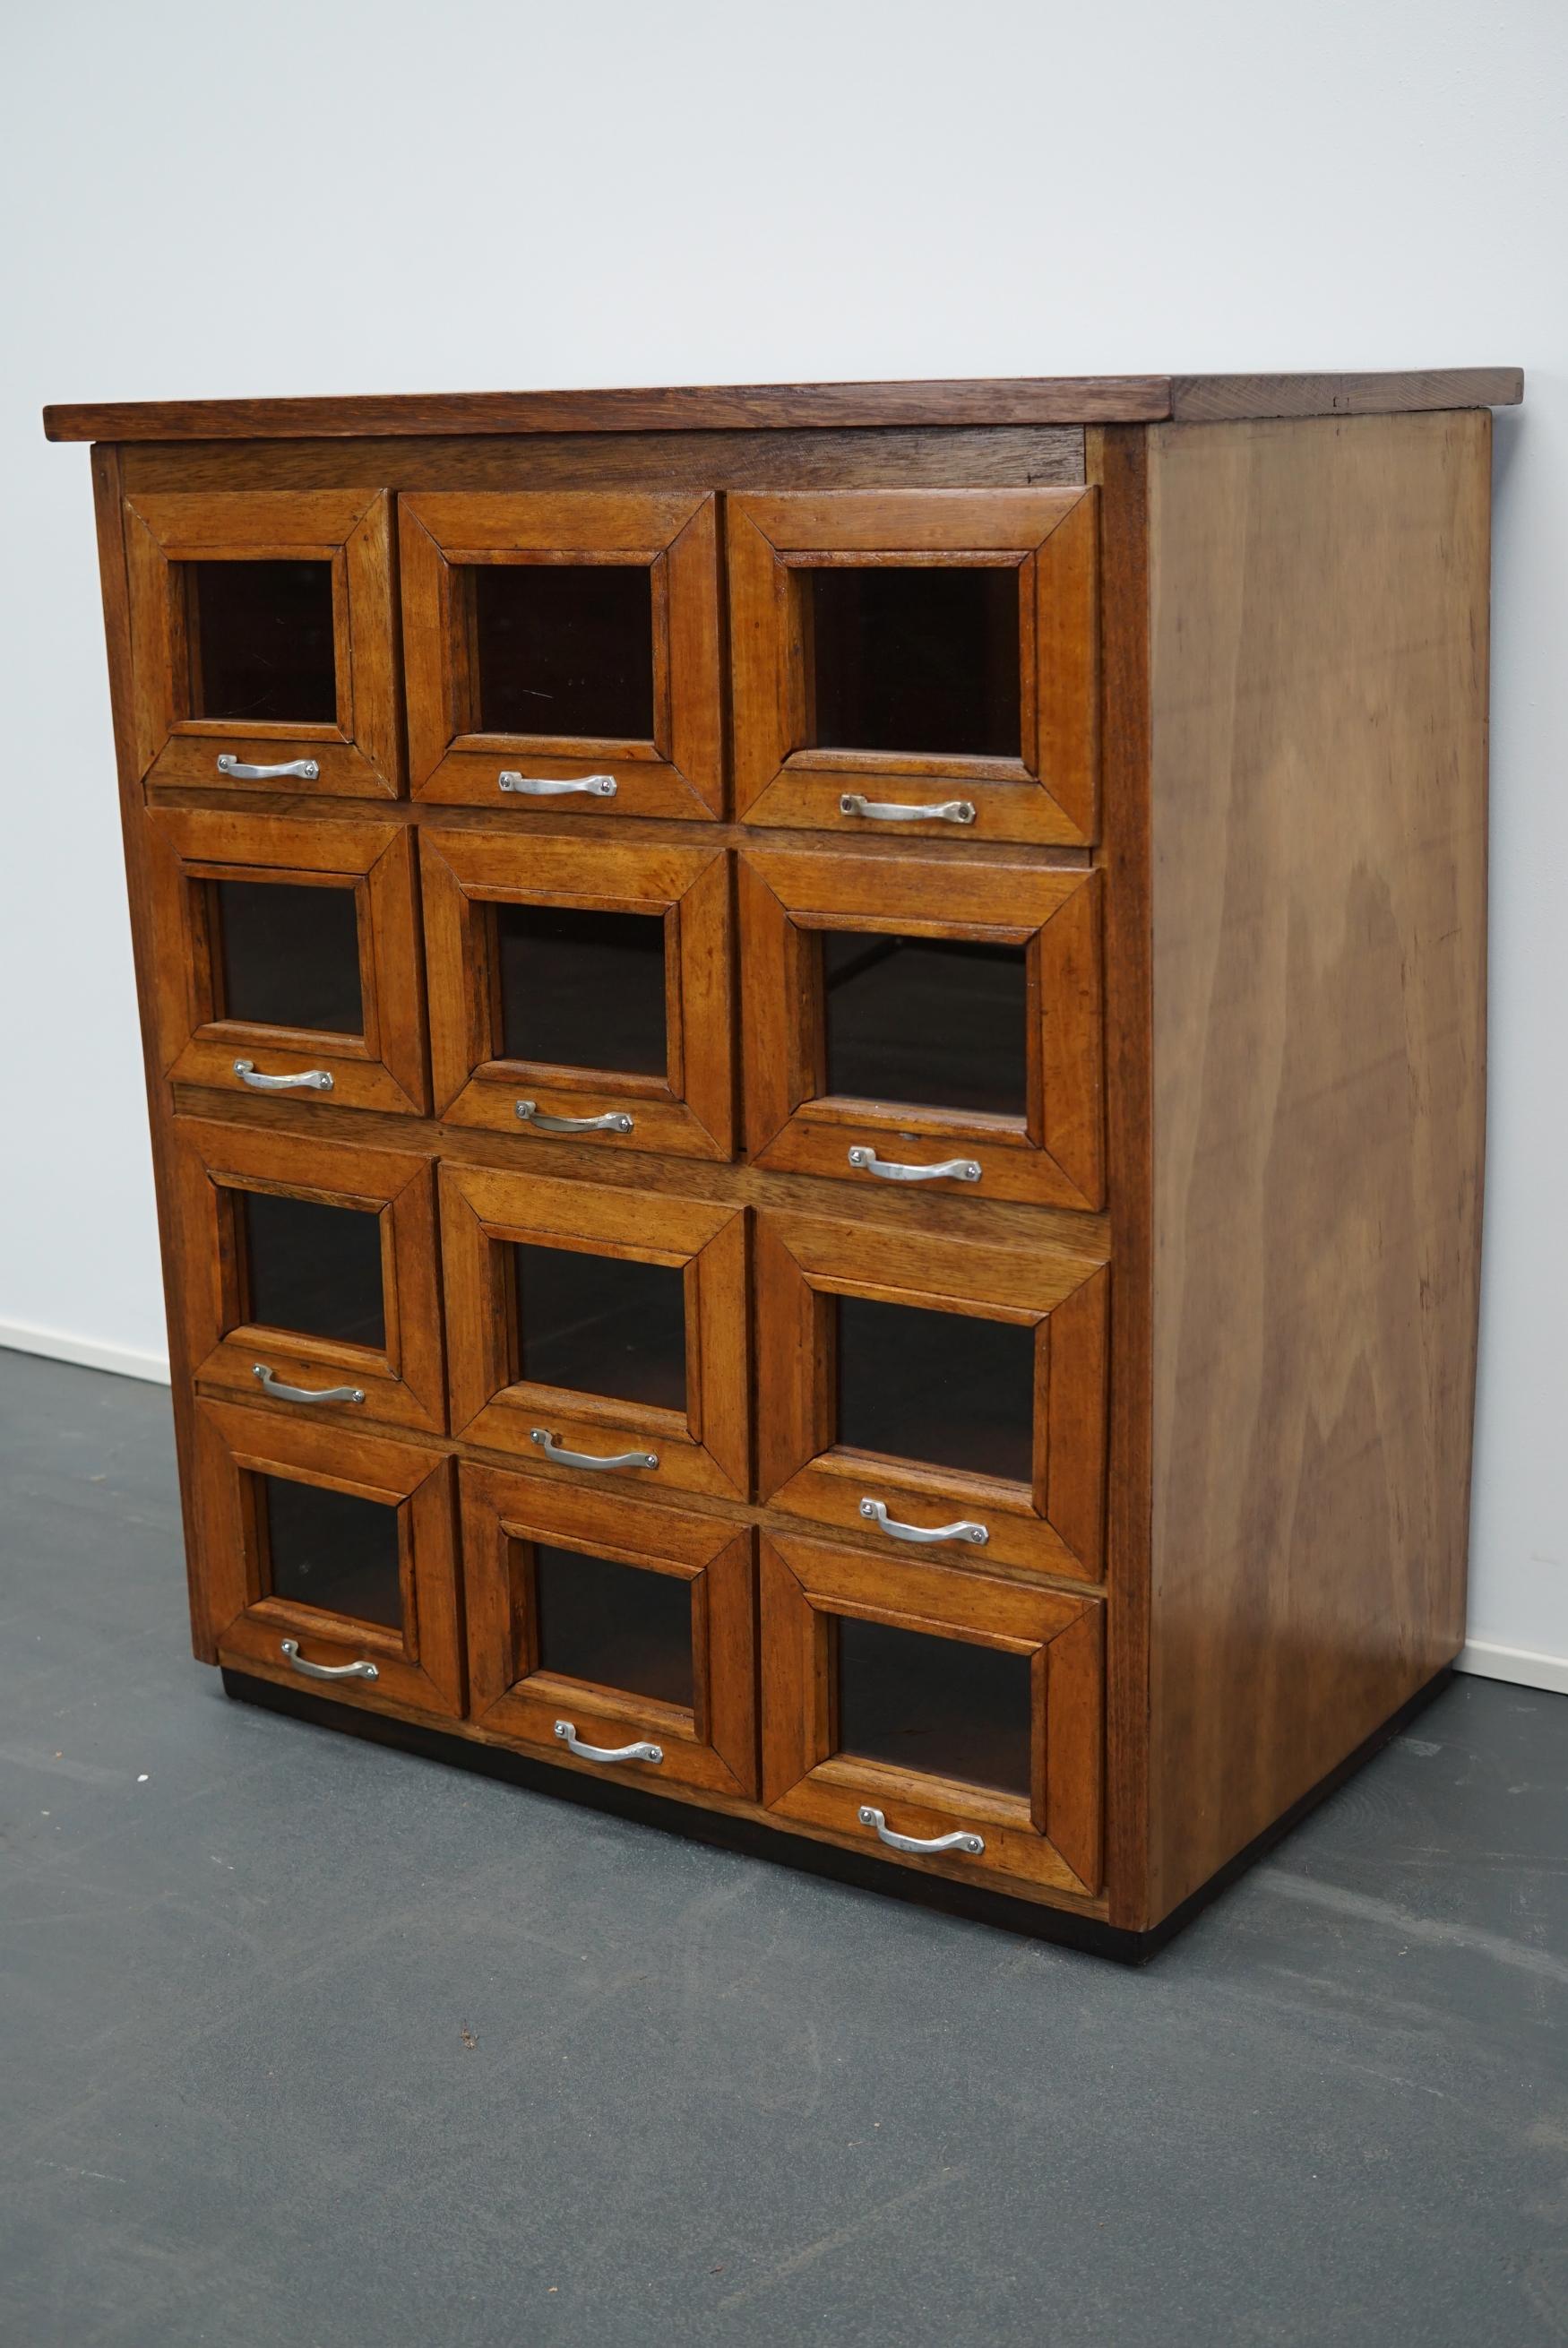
column 261, row 642
column 312, row 1268
column 601, row 1325
column 941, row 1388
column 923, row 660
column 333, row 1550
column 937, row 1704
column 289, row 955
column 617, row 1625
column 941, row 1022
column 582, row 990
column 565, row 648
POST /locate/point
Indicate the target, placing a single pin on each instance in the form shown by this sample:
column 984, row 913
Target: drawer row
column 907, row 1019
column 894, row 660
column 948, row 1715
column 922, row 1392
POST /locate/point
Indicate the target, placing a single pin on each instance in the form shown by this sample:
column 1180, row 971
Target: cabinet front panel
column 921, row 1021
column 263, row 641
column 913, row 1705
column 581, row 988
column 918, row 661
column 599, row 1333
column 287, row 957
column 611, row 1635
column 932, row 1394
column 307, row 1277
column 562, row 652
column 329, row 1558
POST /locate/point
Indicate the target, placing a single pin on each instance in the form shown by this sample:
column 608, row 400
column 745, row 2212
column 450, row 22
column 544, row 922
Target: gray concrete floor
column 303, row 2042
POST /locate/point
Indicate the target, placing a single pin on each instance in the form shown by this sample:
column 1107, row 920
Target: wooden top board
column 1045, row 399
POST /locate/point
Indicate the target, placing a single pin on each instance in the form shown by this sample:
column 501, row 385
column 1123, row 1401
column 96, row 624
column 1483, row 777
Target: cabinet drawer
column 910, row 1386
column 314, row 1262
column 607, row 1324
column 908, row 1015
column 580, row 988
column 917, row 660
column 562, row 651
column 940, row 1704
column 263, row 636
column 597, row 1620
column 329, row 1557
column 287, row 957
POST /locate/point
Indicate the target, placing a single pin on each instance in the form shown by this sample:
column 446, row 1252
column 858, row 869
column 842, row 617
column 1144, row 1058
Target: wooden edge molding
column 1045, row 399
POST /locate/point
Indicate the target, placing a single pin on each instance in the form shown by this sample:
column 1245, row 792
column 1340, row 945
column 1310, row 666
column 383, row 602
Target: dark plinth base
column 757, row 1840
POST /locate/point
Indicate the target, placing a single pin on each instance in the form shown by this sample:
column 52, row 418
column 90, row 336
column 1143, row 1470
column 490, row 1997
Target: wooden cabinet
column 843, row 1209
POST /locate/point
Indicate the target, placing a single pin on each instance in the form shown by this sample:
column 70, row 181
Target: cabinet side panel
column 1319, row 614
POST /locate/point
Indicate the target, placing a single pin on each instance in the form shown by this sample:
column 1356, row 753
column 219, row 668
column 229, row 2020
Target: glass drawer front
column 564, row 649
column 290, row 956
column 924, row 661
column 617, row 1626
column 601, row 1324
column 260, row 640
column 945, row 1389
column 332, row 1551
column 582, row 990
column 942, row 1023
column 941, row 1705
column 312, row 1268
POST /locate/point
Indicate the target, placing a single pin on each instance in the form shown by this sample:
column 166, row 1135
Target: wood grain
column 1042, row 399
column 1319, row 661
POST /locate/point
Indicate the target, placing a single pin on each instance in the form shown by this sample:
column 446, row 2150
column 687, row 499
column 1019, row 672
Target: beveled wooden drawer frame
column 1052, row 1156
column 1054, row 1837
column 360, row 756
column 1056, row 1523
column 678, row 773
column 712, row 1746
column 1048, row 795
column 704, row 1448
column 401, row 1381
column 422, row 1666
column 688, row 1112
column 384, row 1067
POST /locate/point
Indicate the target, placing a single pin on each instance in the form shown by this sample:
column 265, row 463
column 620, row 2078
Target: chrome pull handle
column 550, row 1445
column 307, row 1080
column 327, row 1670
column 962, row 1840
column 641, row 1751
column 951, row 1169
column 274, row 1385
column 304, row 770
column 541, row 787
column 614, row 1120
column 901, row 811
column 963, row 1531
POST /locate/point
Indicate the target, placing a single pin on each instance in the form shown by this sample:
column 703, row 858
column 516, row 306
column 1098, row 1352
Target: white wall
column 333, row 196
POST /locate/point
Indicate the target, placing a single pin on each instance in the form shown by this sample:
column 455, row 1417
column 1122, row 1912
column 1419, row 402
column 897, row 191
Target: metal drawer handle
column 550, row 1445
column 274, row 1385
column 963, row 1840
column 305, row 770
column 641, row 1751
column 963, row 1529
column 614, row 1120
column 308, row 1080
column 327, row 1670
column 951, row 1169
column 537, row 787
column 899, row 811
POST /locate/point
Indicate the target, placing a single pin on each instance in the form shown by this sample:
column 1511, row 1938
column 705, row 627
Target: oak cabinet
column 816, row 1070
